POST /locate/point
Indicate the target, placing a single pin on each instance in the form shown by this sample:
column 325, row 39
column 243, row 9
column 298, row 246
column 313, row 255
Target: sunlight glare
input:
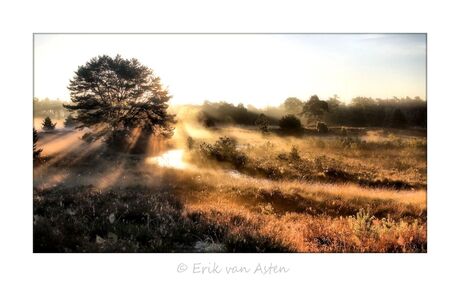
column 170, row 159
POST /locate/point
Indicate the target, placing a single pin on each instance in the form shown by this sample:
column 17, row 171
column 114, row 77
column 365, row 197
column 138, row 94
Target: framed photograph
column 220, row 142
column 230, row 143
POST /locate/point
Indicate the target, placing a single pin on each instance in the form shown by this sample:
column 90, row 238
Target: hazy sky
column 252, row 69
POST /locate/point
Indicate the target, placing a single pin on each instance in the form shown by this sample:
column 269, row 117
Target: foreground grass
column 186, row 213
column 367, row 197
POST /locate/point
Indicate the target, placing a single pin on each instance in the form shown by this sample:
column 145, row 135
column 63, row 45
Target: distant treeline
column 360, row 112
column 227, row 113
column 364, row 111
column 49, row 107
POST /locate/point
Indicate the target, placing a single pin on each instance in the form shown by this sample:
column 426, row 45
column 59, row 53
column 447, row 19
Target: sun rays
column 170, row 159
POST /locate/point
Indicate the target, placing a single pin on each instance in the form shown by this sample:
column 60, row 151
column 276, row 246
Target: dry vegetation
column 363, row 190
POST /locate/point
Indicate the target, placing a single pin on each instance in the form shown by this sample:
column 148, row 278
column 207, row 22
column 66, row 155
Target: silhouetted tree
column 114, row 96
column 293, row 105
column 227, row 113
column 262, row 122
column 36, row 151
column 206, row 119
column 333, row 102
column 290, row 123
column 48, row 124
column 314, row 108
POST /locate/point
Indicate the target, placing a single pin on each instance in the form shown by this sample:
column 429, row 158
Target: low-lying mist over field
column 229, row 187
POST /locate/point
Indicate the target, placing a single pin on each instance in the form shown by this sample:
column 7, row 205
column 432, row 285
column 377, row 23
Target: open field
column 363, row 191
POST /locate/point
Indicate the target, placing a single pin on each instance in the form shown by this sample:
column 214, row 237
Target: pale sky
column 252, row 69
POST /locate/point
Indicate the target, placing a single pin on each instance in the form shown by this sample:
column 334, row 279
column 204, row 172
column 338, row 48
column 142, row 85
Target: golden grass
column 238, row 210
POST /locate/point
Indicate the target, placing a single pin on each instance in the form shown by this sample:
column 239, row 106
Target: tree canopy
column 116, row 95
column 293, row 105
column 314, row 108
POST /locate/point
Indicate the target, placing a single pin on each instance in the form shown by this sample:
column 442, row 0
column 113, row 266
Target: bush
column 362, row 223
column 224, row 150
column 321, row 127
column 262, row 123
column 289, row 123
column 294, row 154
column 48, row 124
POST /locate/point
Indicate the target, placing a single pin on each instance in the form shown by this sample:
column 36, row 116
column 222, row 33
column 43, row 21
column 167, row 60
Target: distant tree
column 262, row 122
column 290, row 123
column 36, row 150
column 48, row 124
column 398, row 119
column 118, row 95
column 314, row 108
column 206, row 119
column 293, row 105
column 70, row 121
column 333, row 102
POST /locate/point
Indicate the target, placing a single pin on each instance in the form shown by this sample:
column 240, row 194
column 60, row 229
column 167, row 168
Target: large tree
column 115, row 96
column 314, row 108
column 293, row 105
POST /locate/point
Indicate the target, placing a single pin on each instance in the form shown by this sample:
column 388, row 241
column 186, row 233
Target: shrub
column 224, row 150
column 362, row 223
column 262, row 123
column 294, row 154
column 289, row 123
column 321, row 127
column 48, row 124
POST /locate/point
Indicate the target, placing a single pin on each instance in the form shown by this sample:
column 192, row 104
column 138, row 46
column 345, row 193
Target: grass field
column 362, row 190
